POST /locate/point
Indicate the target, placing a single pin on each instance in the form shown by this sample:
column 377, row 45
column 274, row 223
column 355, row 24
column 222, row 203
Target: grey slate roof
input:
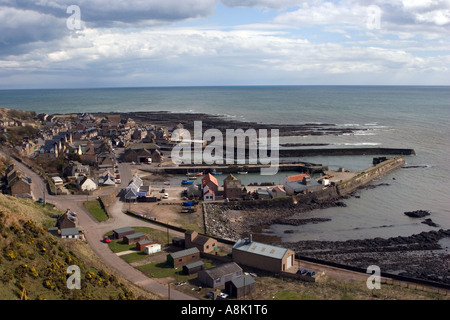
column 69, row 231
column 184, row 253
column 260, row 249
column 223, row 270
column 135, row 235
column 195, row 264
column 243, row 281
column 122, row 230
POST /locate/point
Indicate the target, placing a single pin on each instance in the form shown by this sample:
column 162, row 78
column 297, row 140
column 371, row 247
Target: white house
column 208, row 194
column 70, row 233
column 153, row 248
column 86, row 184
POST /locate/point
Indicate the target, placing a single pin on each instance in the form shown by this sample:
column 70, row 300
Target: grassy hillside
column 33, row 259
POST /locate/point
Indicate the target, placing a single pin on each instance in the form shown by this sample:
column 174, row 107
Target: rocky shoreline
column 169, row 119
column 418, row 256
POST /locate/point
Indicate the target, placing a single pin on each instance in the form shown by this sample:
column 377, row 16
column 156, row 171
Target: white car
column 166, row 196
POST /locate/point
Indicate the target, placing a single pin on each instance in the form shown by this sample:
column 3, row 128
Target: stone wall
column 369, row 175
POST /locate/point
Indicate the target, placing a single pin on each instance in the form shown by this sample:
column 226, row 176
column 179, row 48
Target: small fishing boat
column 194, row 174
column 214, row 173
column 242, row 172
column 185, row 182
column 192, row 178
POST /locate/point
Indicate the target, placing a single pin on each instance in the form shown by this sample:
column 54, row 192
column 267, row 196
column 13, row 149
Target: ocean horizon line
column 235, row 86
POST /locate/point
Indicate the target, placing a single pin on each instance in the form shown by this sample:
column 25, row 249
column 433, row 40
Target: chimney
column 250, row 238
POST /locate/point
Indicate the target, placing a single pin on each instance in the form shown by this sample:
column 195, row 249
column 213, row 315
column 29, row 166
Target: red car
column 106, row 239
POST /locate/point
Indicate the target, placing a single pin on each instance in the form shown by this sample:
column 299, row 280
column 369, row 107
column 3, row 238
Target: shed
column 218, row 276
column 133, row 238
column 121, row 232
column 152, row 248
column 240, row 287
column 193, row 267
column 140, row 245
column 183, row 257
column 262, row 256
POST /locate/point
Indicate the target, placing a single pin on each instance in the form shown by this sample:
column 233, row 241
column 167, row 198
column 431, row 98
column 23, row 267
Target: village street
column 95, row 230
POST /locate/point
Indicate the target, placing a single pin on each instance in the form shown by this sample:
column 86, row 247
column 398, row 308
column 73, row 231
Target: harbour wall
column 370, row 174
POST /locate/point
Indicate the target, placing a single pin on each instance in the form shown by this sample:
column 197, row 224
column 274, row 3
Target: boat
column 214, row 173
column 184, row 182
column 242, row 172
column 192, row 178
column 194, row 174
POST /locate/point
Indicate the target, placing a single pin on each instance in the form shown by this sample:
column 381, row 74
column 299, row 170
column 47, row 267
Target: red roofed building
column 211, row 182
column 208, row 194
column 298, row 177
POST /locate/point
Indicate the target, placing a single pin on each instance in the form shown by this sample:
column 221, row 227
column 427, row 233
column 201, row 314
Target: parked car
column 223, row 295
column 311, row 273
column 210, row 294
column 166, row 196
column 302, row 271
column 106, row 239
column 40, row 200
column 162, row 190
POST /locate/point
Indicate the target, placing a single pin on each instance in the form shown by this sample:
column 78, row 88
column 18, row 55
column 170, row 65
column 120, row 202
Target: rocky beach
column 419, row 256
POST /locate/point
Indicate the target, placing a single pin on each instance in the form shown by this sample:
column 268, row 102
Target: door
column 289, row 262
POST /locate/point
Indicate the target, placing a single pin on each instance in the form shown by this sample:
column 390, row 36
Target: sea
column 416, row 117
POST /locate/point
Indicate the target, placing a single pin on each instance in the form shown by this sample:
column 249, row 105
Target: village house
column 301, row 183
column 76, row 169
column 262, row 256
column 218, row 276
column 86, row 184
column 232, row 188
column 208, row 194
column 277, row 192
column 202, row 243
column 211, row 182
column 17, row 184
column 67, row 220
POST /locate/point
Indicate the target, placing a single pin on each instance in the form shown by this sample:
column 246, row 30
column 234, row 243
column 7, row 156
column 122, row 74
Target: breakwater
column 345, row 152
column 368, row 175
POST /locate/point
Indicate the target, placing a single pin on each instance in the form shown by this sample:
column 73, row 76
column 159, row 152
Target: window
column 179, row 260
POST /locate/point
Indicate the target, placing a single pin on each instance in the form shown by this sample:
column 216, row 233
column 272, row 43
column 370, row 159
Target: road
column 95, row 230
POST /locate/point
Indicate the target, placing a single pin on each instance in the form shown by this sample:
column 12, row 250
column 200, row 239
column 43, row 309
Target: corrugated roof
column 243, row 281
column 260, row 249
column 223, row 270
column 195, row 264
column 183, row 253
column 135, row 235
column 122, row 230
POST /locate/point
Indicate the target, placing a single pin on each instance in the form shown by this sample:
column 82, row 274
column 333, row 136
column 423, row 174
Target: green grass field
column 96, row 210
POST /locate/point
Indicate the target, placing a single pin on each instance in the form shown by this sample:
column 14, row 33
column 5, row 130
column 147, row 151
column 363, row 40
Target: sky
column 152, row 43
